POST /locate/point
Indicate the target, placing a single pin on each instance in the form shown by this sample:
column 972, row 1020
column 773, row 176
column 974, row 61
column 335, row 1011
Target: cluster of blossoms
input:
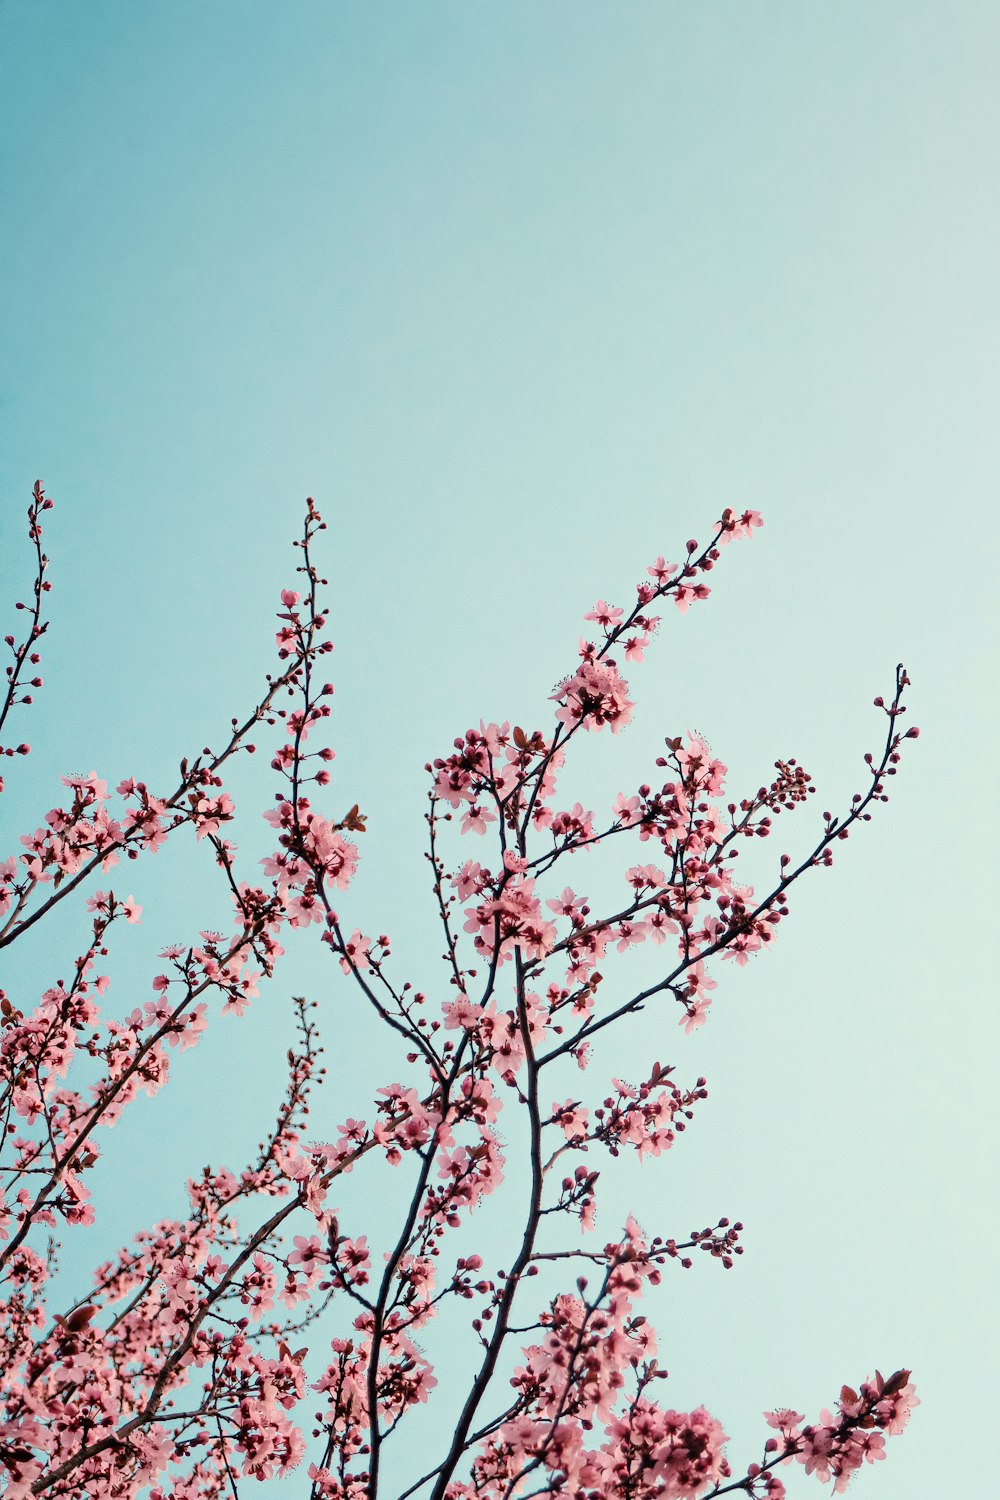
column 176, row 1372
column 836, row 1446
column 578, row 1378
column 596, row 694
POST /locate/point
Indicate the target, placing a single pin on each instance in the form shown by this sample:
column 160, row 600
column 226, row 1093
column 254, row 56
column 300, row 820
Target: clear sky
column 524, row 295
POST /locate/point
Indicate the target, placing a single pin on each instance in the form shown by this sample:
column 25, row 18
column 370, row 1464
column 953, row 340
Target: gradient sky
column 524, row 295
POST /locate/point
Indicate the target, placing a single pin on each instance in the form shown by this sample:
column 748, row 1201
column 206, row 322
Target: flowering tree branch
column 173, row 1375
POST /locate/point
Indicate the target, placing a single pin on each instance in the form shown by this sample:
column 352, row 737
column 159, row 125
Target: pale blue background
column 524, row 295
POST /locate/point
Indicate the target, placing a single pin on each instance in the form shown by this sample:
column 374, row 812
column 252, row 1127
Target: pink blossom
column 662, row 571
column 626, row 810
column 569, row 904
column 470, row 880
column 476, row 818
column 606, row 615
column 595, row 695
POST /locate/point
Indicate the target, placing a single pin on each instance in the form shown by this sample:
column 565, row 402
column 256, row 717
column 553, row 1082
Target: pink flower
column 476, row 819
column 569, row 904
column 606, row 615
column 626, row 810
column 470, row 880
column 91, row 785
column 695, row 1015
column 357, row 950
column 461, row 1014
column 662, row 571
column 783, row 1420
column 308, row 1254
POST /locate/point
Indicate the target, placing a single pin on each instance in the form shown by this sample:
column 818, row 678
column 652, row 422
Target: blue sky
column 524, row 295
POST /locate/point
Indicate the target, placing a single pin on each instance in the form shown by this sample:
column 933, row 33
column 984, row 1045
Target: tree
column 175, row 1373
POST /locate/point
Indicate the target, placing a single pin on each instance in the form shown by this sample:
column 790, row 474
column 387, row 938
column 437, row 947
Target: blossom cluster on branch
column 173, row 1375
